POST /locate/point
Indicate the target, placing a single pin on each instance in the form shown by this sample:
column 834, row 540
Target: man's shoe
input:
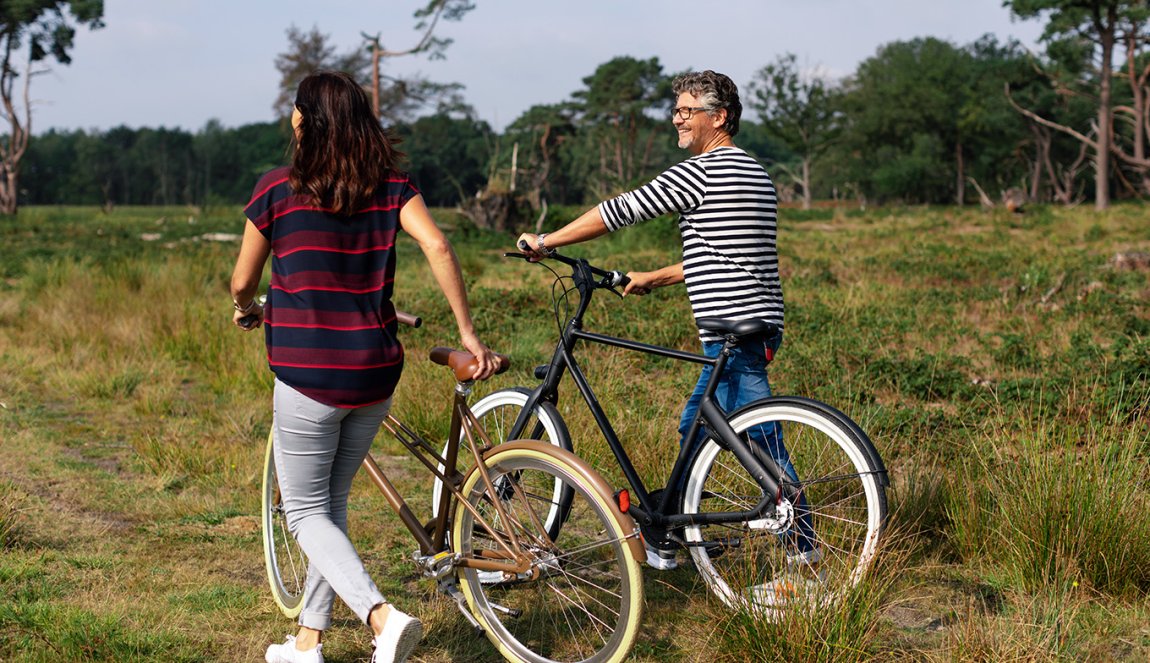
column 657, row 558
column 788, row 587
column 805, row 561
column 287, row 653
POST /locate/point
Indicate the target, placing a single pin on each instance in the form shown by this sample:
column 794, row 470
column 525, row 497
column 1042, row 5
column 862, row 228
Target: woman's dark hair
column 714, row 91
column 343, row 154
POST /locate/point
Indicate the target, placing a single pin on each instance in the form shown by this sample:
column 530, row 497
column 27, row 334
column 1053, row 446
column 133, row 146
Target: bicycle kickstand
column 449, row 588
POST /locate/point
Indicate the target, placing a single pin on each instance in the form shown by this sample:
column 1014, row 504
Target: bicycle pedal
column 438, row 565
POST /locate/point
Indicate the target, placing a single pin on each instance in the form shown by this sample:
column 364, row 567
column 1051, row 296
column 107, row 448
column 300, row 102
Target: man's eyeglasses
column 685, row 112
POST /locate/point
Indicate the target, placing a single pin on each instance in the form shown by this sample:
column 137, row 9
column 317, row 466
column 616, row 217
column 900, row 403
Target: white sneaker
column 287, row 653
column 664, row 560
column 789, row 586
column 401, row 632
column 808, row 559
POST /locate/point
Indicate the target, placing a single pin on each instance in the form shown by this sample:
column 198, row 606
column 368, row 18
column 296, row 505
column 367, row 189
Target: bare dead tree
column 40, row 31
column 983, row 199
column 1062, row 187
column 19, row 121
column 1137, row 114
column 1096, row 24
column 1064, row 178
column 429, row 17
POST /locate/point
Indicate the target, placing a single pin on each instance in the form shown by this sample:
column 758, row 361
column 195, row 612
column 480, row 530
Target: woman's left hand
column 250, row 319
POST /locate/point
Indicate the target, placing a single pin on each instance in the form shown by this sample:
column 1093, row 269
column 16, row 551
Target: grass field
column 1000, row 363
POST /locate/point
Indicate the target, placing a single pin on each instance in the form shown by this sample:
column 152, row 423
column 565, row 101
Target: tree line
column 921, row 121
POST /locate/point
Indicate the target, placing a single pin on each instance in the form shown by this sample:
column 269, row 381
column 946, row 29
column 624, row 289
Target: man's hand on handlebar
column 641, row 283
column 531, row 246
column 582, row 270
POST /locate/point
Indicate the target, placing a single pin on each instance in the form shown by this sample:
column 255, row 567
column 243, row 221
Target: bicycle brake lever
column 618, row 279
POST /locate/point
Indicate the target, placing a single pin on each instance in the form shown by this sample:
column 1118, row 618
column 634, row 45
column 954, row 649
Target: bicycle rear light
column 623, row 499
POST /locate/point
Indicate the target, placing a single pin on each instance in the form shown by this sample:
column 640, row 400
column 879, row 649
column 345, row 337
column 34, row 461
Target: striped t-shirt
column 330, row 324
column 727, row 220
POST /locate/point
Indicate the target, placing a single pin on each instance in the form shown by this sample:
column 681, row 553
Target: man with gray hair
column 727, row 221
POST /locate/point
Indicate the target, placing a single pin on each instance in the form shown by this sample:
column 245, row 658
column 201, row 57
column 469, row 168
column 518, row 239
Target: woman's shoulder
column 272, row 185
column 397, row 176
column 274, row 176
column 398, row 182
column 271, row 179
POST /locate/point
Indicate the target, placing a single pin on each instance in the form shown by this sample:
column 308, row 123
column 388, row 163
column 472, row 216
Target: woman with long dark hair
column 329, row 223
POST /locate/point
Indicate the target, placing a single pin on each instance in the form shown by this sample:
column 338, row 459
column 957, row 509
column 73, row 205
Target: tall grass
column 1045, row 627
column 10, row 501
column 847, row 629
column 1061, row 505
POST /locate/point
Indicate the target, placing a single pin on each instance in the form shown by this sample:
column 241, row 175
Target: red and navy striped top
column 329, row 322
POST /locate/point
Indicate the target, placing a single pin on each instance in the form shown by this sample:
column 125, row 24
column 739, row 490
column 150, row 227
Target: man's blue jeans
column 744, row 381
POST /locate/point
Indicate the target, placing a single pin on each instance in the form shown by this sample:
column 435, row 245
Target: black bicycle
column 783, row 501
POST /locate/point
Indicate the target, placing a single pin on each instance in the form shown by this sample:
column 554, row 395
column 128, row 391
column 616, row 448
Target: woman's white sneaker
column 287, row 653
column 401, row 633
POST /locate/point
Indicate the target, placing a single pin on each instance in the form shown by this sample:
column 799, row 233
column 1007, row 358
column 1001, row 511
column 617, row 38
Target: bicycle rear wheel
column 818, row 546
column 496, row 414
column 582, row 598
column 283, row 558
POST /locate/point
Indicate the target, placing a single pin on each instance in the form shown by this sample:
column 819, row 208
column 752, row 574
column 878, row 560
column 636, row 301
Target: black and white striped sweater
column 728, row 224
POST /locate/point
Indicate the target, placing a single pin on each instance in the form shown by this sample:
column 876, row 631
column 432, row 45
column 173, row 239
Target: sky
column 181, row 63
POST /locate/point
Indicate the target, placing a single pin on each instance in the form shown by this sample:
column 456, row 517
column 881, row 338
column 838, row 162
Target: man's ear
column 719, row 118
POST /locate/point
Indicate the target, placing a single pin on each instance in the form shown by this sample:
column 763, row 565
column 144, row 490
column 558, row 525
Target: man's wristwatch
column 543, row 247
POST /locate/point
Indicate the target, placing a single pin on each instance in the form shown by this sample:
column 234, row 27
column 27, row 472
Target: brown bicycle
column 538, row 595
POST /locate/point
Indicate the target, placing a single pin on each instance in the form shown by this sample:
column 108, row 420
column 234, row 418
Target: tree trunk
column 1140, row 111
column 960, row 181
column 8, row 190
column 1036, row 167
column 806, row 183
column 1105, row 122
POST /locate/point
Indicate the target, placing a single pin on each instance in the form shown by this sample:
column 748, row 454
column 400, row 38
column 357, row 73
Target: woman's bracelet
column 244, row 310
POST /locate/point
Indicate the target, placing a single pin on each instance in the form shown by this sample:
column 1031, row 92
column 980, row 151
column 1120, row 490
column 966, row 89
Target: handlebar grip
column 619, row 279
column 249, row 321
column 408, row 319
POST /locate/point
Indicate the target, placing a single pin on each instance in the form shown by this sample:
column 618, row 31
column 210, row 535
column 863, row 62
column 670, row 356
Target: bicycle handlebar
column 405, row 318
column 612, row 278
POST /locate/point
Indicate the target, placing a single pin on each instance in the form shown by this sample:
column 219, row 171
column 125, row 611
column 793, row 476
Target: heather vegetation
column 1000, row 362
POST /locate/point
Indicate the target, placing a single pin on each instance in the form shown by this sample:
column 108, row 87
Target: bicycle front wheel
column 283, row 558
column 815, row 547
column 582, row 598
column 496, row 414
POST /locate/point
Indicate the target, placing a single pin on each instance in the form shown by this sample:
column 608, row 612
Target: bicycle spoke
column 579, row 599
column 835, row 514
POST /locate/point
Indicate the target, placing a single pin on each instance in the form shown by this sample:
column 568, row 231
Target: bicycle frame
column 711, row 418
column 433, row 543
